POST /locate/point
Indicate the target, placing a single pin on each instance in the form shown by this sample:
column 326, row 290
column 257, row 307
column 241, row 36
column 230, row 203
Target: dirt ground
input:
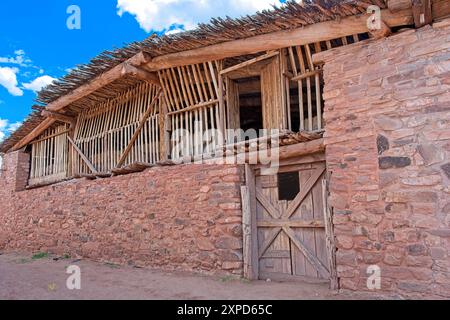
column 42, row 278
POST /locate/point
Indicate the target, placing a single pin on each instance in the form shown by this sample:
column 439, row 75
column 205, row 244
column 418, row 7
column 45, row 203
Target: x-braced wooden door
column 292, row 224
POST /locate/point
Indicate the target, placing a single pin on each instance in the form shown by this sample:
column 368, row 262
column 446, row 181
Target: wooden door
column 291, row 224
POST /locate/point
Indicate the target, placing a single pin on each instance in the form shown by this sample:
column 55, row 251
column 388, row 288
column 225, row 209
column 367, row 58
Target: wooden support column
column 251, row 248
column 329, row 237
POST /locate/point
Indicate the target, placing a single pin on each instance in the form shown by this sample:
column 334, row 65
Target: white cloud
column 38, row 83
column 6, row 128
column 160, row 15
column 8, row 79
column 19, row 59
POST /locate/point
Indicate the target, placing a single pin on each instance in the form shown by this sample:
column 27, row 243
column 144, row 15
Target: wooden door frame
column 250, row 230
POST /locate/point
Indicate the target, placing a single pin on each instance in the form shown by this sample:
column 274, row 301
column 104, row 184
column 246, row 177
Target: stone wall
column 185, row 217
column 387, row 112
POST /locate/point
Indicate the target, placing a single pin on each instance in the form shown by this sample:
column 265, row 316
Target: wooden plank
column 329, row 234
column 282, row 39
column 306, row 75
column 279, row 223
column 83, row 157
column 269, row 239
column 309, row 256
column 279, row 277
column 144, row 118
column 251, row 184
column 247, row 232
column 305, row 190
column 266, row 203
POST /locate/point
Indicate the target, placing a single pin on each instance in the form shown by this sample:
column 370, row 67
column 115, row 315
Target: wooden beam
column 144, row 118
column 249, row 62
column 83, row 157
column 33, row 134
column 99, row 82
column 398, row 5
column 150, row 77
column 383, row 32
column 440, row 9
column 59, row 117
column 422, row 12
column 272, row 41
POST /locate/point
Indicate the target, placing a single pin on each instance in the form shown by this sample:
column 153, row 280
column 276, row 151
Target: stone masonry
column 185, row 217
column 387, row 112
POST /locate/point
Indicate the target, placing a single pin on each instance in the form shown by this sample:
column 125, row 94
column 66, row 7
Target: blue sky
column 36, row 45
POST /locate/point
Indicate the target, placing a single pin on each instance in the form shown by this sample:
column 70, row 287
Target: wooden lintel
column 321, row 31
column 59, row 117
column 422, row 12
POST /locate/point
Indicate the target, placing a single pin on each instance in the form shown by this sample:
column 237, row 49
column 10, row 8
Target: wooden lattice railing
column 49, row 156
column 194, row 115
column 104, row 132
column 309, row 79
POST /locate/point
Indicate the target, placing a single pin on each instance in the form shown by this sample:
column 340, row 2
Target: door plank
column 304, row 191
column 268, row 223
column 269, row 239
column 311, row 258
column 267, row 204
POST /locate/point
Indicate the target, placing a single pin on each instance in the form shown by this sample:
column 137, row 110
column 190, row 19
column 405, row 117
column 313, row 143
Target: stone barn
column 310, row 142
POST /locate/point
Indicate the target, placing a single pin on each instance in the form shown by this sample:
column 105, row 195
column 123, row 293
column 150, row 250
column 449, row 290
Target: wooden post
column 329, row 236
column 422, row 12
column 247, row 233
column 252, row 237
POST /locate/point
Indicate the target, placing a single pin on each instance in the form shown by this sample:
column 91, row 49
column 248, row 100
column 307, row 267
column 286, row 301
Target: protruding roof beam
column 128, row 67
